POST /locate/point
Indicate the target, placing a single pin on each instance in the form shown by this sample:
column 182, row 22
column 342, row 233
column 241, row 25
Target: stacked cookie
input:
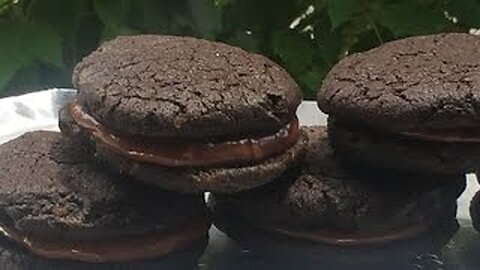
column 157, row 121
column 60, row 210
column 185, row 114
column 387, row 172
column 325, row 212
column 410, row 106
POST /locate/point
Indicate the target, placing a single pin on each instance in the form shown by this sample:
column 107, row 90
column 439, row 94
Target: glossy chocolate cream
column 449, row 135
column 338, row 238
column 127, row 248
column 194, row 154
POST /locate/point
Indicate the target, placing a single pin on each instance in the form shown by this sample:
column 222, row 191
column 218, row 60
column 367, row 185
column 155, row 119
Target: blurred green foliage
column 41, row 40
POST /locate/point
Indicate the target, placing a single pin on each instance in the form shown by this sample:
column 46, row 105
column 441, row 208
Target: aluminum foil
column 35, row 111
column 39, row 111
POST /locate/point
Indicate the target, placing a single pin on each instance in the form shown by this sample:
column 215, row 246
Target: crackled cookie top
column 51, row 188
column 419, row 82
column 184, row 88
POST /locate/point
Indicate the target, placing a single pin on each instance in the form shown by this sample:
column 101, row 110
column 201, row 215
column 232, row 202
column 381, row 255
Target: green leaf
column 63, row 16
column 206, row 17
column 311, row 80
column 466, row 11
column 165, row 17
column 4, row 5
column 221, row 3
column 260, row 15
column 7, row 70
column 180, row 24
column 73, row 21
column 341, row 11
column 115, row 16
column 12, row 58
column 152, row 15
column 248, row 41
column 369, row 39
column 37, row 76
column 329, row 40
column 294, row 50
column 411, row 18
column 113, row 31
column 45, row 44
column 27, row 42
column 112, row 12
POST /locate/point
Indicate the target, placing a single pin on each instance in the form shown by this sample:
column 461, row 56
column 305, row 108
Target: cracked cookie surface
column 429, row 82
column 51, row 188
column 184, row 88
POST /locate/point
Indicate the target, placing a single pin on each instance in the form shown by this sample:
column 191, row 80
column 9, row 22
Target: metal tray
column 38, row 111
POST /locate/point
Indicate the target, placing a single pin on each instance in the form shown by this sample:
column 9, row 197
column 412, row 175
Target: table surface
column 38, row 111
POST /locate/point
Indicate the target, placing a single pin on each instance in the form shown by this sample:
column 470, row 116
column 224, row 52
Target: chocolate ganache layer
column 188, row 154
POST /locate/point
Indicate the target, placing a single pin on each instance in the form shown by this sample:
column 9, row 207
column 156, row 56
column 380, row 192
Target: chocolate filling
column 195, row 154
column 449, row 135
column 127, row 248
column 346, row 239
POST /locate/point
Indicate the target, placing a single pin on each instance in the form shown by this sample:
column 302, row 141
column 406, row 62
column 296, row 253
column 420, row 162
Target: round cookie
column 328, row 209
column 184, row 88
column 289, row 252
column 418, row 96
column 426, row 82
column 58, row 204
column 197, row 115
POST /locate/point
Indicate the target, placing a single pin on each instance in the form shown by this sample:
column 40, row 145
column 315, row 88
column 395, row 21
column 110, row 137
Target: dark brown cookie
column 322, row 194
column 410, row 105
column 329, row 213
column 184, row 88
column 418, row 82
column 53, row 200
column 366, row 149
column 199, row 115
column 294, row 253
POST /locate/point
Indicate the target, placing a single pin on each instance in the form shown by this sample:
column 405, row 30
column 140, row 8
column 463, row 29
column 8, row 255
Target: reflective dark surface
column 462, row 251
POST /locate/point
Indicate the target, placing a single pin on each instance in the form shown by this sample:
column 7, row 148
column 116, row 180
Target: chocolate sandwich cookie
column 288, row 252
column 56, row 204
column 418, row 97
column 186, row 114
column 330, row 209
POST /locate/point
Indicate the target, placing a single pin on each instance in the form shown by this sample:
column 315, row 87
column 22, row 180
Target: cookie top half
column 418, row 82
column 184, row 88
